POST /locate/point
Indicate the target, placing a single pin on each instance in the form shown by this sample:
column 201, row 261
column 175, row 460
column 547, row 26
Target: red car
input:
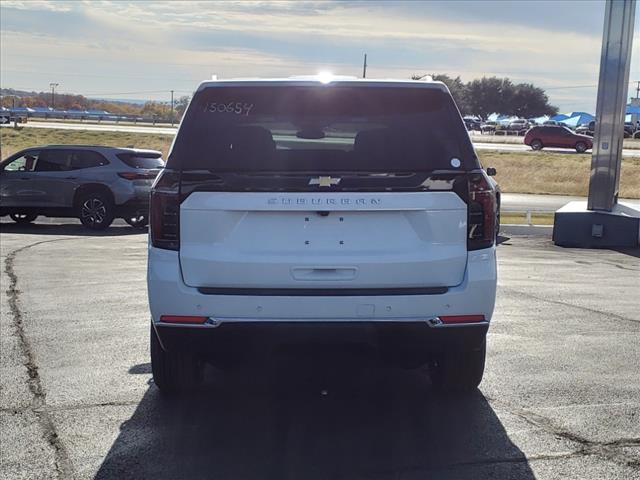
column 558, row 137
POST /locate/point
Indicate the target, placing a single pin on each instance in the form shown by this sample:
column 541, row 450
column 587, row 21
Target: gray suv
column 92, row 183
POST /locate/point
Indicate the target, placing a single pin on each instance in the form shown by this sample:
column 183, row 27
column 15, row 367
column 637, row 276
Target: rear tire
column 23, row 218
column 581, row 147
column 95, row 210
column 536, row 144
column 459, row 371
column 175, row 371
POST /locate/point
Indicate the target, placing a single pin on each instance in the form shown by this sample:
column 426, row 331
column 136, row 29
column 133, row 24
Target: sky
column 144, row 49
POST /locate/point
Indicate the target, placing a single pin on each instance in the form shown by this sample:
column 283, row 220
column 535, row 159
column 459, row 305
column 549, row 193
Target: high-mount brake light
column 165, row 211
column 482, row 212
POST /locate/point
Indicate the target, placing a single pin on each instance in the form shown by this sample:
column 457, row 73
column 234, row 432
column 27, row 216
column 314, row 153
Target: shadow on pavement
column 317, row 416
column 502, row 239
column 632, row 252
column 68, row 228
column 141, row 369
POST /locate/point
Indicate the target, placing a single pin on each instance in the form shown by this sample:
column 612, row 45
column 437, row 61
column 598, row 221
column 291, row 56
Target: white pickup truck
column 290, row 208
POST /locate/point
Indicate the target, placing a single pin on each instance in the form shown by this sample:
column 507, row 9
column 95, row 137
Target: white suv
column 302, row 209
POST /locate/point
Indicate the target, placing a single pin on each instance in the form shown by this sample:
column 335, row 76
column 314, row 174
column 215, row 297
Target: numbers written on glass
column 237, row 108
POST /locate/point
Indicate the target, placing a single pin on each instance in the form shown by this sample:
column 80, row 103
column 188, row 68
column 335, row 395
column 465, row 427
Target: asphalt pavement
column 560, row 398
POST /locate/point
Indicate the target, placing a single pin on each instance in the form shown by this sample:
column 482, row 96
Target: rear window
column 322, row 128
column 142, row 160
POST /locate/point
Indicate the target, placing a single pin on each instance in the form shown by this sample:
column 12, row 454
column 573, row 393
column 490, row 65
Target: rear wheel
column 581, row 147
column 536, row 144
column 173, row 371
column 95, row 210
column 23, row 218
column 460, row 370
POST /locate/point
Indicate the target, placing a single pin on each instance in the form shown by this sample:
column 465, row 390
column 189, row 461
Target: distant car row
column 22, row 114
column 95, row 184
column 630, row 130
column 517, row 126
column 521, row 126
column 550, row 134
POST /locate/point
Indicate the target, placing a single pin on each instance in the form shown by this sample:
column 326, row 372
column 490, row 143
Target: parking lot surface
column 560, row 398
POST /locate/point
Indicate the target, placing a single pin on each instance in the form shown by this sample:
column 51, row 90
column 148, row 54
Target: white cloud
column 37, row 5
column 182, row 42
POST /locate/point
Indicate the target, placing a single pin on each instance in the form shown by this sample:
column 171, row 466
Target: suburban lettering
column 324, row 201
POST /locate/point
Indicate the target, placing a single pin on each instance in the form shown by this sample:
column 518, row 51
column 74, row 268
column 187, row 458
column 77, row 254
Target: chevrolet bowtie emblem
column 324, row 181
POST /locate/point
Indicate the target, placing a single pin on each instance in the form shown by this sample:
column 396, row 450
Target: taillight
column 165, row 211
column 482, row 212
column 137, row 175
column 183, row 319
column 448, row 319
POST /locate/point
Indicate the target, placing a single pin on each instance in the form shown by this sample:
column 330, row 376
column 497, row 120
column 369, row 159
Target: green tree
column 530, row 101
column 488, row 95
column 493, row 94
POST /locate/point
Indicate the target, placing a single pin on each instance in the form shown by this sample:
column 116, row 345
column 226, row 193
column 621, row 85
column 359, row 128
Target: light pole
column 172, row 108
column 53, row 94
column 602, row 221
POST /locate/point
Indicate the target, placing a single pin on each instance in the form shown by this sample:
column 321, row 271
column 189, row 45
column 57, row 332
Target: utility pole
column 638, row 89
column 53, row 95
column 172, row 108
column 364, row 67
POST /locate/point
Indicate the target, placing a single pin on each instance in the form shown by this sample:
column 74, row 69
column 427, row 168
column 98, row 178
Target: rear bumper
column 168, row 295
column 243, row 339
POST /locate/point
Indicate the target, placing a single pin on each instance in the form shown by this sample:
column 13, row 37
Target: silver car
column 92, row 183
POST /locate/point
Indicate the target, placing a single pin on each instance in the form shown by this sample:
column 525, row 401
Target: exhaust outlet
column 434, row 322
column 213, row 322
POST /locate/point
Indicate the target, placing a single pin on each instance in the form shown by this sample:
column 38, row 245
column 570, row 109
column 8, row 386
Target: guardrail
column 88, row 116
